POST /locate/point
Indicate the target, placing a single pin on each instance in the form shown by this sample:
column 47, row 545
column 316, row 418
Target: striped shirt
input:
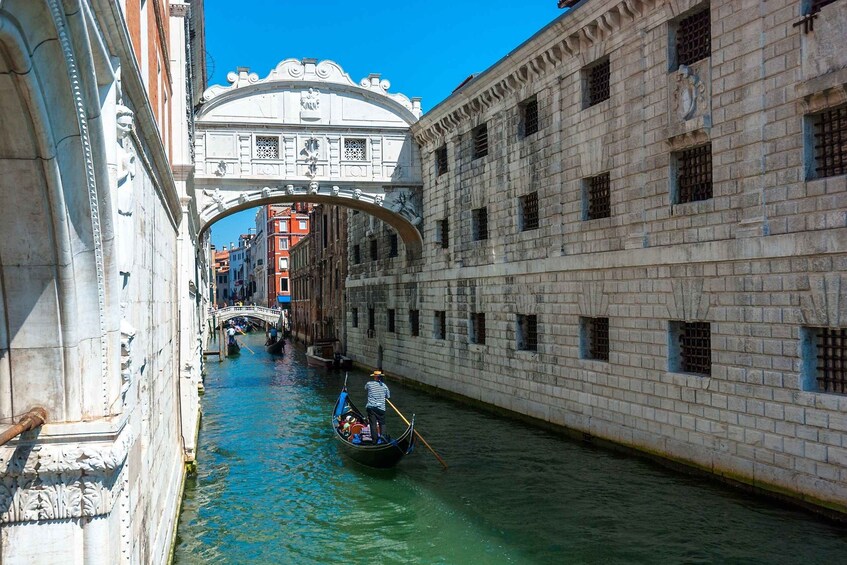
column 377, row 393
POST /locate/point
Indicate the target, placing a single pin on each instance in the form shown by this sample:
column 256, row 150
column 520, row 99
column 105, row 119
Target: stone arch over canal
column 308, row 133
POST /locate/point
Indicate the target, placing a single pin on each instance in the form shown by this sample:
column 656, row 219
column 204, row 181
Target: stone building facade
column 635, row 228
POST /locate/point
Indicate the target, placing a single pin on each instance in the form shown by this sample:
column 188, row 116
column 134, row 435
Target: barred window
column 391, row 320
column 529, row 116
column 355, row 149
column 441, row 160
column 597, row 202
column 393, row 249
column 828, row 359
column 443, row 234
column 478, row 328
column 267, row 147
column 816, row 5
column 357, row 254
column 691, row 347
column 527, row 332
column 597, row 82
column 371, row 319
column 374, row 250
column 529, row 211
column 439, row 326
column 694, row 38
column 479, row 220
column 694, row 174
column 830, row 135
column 595, row 338
column 414, row 322
column 480, row 141
column 354, row 317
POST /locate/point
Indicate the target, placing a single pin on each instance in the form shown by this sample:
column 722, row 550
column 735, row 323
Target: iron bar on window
column 831, row 142
column 480, row 141
column 599, row 197
column 694, row 38
column 695, row 340
column 598, row 82
column 695, row 174
column 529, row 211
column 832, row 359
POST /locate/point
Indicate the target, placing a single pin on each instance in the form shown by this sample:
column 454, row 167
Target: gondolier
column 377, row 391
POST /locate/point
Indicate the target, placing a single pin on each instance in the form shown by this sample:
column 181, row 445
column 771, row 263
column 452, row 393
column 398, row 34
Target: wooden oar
column 245, row 345
column 419, row 436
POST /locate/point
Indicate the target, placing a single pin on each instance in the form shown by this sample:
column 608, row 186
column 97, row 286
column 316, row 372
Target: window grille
column 598, row 82
column 529, row 211
column 694, row 174
column 529, row 116
column 374, row 250
column 479, row 217
column 831, row 345
column 391, row 320
column 831, row 142
column 393, row 250
column 597, row 338
column 441, row 160
column 528, row 332
column 440, row 325
column 480, row 141
column 357, row 254
column 371, row 320
column 355, row 149
column 267, row 147
column 444, row 233
column 694, row 38
column 599, row 203
column 695, row 348
column 478, row 328
column 414, row 322
column 816, row 5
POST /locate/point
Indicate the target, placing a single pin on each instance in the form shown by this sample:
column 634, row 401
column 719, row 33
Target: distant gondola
column 233, row 349
column 383, row 455
column 276, row 348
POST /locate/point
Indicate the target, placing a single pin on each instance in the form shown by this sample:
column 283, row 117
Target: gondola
column 233, row 349
column 276, row 348
column 381, row 456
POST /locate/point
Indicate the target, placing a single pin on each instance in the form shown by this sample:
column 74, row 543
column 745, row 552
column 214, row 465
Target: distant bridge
column 222, row 315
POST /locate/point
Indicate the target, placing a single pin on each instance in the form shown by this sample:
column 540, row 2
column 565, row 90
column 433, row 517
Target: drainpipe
column 29, row 421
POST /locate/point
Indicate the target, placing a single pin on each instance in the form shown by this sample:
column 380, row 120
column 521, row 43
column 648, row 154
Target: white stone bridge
column 308, row 133
column 223, row 315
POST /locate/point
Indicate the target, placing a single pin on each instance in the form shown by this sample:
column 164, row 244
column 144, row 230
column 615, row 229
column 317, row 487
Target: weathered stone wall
column 761, row 261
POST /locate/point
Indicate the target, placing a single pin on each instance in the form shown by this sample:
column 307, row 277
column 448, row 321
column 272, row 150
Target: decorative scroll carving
column 310, row 104
column 689, row 91
column 311, row 150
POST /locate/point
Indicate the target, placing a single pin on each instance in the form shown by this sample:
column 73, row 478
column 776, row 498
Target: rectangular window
column 529, row 212
column 355, row 149
column 594, row 338
column 283, row 263
column 283, row 226
column 480, row 141
column 357, row 254
column 693, row 174
column 690, row 347
column 439, row 325
column 529, row 116
column 374, row 250
column 597, row 82
column 830, row 138
column 443, row 233
column 371, row 319
column 267, row 147
column 693, row 38
column 354, row 317
column 283, row 285
column 391, row 320
column 825, row 359
column 441, row 160
column 283, row 243
column 393, row 249
column 478, row 328
column 597, row 197
column 304, row 225
column 414, row 322
column 479, row 221
column 527, row 332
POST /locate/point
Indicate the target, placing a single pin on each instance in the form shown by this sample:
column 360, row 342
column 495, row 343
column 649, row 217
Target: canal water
column 273, row 488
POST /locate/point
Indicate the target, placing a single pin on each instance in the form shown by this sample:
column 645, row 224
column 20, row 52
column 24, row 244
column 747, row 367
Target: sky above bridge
column 424, row 49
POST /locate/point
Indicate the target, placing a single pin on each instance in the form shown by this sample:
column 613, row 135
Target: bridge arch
column 308, row 133
column 267, row 315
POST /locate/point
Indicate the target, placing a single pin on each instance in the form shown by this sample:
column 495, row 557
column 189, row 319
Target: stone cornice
column 574, row 32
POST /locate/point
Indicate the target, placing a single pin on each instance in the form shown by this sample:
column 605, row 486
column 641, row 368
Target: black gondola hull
column 380, row 456
column 276, row 348
column 233, row 349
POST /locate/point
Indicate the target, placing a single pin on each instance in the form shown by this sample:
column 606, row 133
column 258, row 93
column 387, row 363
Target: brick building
column 636, row 229
column 286, row 225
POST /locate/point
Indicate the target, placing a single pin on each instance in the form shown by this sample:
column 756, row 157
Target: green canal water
column 273, row 488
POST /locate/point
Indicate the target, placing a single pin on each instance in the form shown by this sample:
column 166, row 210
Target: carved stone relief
column 406, row 203
column 310, row 105
column 688, row 302
column 689, row 95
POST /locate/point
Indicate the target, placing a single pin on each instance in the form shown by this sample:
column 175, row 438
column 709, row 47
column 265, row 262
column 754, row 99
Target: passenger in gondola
column 377, row 391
